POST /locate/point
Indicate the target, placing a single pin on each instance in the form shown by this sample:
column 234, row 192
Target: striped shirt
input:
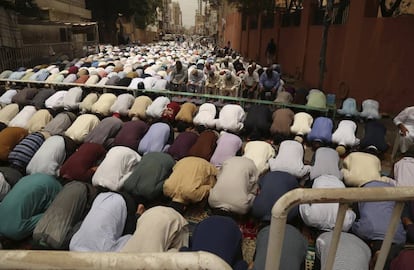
column 22, row 153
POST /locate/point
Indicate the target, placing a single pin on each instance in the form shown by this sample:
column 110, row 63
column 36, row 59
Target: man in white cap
column 230, row 84
column 344, row 136
column 196, row 81
column 178, row 77
column 249, row 83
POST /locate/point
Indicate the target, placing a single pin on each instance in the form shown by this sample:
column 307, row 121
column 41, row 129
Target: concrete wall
column 372, row 56
column 144, row 36
column 69, row 11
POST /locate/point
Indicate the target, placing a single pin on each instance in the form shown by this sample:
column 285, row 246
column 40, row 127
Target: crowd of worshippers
column 89, row 171
column 84, row 171
column 170, row 66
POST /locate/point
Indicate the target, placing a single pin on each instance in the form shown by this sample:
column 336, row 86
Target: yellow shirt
column 186, row 112
column 39, row 120
column 360, row 168
column 8, row 113
column 139, row 107
column 191, row 180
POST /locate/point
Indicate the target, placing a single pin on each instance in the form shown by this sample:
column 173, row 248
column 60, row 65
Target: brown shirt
column 205, row 145
column 9, row 138
column 282, row 120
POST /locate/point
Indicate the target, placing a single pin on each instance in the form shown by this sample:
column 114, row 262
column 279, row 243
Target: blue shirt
column 270, row 82
column 273, row 185
column 155, row 139
column 221, row 236
column 321, row 130
column 375, row 217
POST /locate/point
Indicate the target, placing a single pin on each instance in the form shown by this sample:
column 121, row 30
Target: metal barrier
column 36, row 259
column 10, row 58
column 168, row 93
column 33, row 54
column 343, row 197
column 32, row 259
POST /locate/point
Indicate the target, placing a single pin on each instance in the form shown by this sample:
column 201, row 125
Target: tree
column 215, row 4
column 253, row 6
column 144, row 12
column 106, row 13
column 26, row 8
column 388, row 11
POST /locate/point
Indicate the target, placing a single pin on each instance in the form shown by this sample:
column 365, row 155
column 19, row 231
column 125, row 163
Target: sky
column 188, row 8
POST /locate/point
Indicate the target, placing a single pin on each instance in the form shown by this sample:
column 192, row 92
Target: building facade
column 65, row 32
column 176, row 18
column 367, row 57
column 64, row 10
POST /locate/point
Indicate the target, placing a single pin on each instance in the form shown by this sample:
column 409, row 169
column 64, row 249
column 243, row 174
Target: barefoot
column 140, row 209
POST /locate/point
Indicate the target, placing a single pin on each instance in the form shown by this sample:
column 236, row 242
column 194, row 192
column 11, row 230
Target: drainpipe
column 258, row 56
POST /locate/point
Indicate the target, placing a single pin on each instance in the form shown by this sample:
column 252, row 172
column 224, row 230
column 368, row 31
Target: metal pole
column 333, row 246
column 392, row 228
column 335, row 195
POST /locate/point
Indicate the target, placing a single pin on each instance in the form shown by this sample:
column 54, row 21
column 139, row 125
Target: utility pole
column 327, row 21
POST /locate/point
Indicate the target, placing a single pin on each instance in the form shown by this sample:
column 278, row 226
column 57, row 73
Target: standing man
column 405, row 123
column 271, row 52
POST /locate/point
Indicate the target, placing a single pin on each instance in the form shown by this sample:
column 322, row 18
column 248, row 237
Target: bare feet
column 140, row 209
column 406, row 221
column 374, row 260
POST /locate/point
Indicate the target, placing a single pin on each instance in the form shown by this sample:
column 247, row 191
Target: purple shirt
column 227, row 146
column 131, row 134
column 182, row 144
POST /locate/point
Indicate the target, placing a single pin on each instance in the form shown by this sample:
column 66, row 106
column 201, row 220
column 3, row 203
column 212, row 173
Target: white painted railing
column 32, row 259
column 45, row 260
column 343, row 197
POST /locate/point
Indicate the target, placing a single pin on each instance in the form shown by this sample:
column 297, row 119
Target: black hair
column 179, row 207
column 182, row 126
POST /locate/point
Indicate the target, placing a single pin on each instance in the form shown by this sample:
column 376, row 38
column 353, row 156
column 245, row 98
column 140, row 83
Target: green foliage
column 143, row 11
column 7, row 4
column 25, row 7
column 215, row 4
column 253, row 6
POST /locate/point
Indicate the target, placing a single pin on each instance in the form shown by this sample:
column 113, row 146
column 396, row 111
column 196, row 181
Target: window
column 268, row 21
column 254, row 21
column 63, row 35
column 244, row 22
column 291, row 12
column 339, row 14
column 292, row 18
column 390, row 8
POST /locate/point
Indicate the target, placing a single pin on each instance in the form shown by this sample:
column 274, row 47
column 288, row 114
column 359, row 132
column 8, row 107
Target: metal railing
column 35, row 54
column 44, row 260
column 328, row 111
column 32, row 259
column 343, row 197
